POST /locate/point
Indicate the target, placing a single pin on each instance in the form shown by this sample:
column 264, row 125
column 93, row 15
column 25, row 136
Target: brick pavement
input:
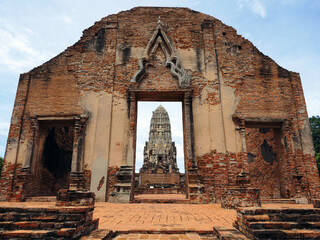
column 189, row 236
column 161, row 196
column 164, row 218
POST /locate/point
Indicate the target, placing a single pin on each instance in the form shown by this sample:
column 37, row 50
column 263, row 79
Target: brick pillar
column 77, row 179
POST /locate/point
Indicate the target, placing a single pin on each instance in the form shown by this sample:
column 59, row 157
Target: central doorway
column 159, row 169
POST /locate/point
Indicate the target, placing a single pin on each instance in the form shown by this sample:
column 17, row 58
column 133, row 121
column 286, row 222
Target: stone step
column 278, row 210
column 21, row 209
column 41, row 199
column 40, row 217
column 228, row 234
column 284, row 225
column 100, row 234
column 159, row 191
column 172, row 201
column 279, row 223
column 256, row 218
column 286, row 234
column 278, row 201
column 36, row 225
column 53, row 233
column 161, row 198
column 65, row 233
column 293, row 217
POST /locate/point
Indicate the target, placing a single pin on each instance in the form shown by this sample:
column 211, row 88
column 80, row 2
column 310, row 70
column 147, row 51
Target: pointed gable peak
column 160, row 39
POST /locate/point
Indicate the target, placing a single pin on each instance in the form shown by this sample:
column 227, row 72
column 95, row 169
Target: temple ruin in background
column 159, row 172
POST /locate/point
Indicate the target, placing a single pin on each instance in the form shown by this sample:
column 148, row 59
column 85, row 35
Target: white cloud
column 289, row 2
column 247, row 35
column 313, row 106
column 4, row 128
column 66, row 19
column 257, row 7
column 16, row 52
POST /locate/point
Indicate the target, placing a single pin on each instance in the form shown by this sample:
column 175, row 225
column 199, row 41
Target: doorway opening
column 160, row 162
column 51, row 164
column 56, row 159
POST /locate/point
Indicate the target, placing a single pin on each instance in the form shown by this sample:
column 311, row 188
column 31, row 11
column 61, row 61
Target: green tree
column 1, row 164
column 315, row 131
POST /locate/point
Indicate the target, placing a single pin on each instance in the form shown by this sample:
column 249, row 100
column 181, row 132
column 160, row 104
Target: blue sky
column 34, row 31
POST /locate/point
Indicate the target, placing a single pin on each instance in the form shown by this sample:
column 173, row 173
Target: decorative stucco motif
column 160, row 40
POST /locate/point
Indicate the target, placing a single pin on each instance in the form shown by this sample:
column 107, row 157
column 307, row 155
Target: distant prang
column 160, row 152
column 159, row 173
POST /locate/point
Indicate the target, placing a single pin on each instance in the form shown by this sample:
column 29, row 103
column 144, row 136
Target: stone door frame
column 183, row 96
column 76, row 121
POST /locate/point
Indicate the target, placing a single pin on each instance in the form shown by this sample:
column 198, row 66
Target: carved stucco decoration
column 160, row 39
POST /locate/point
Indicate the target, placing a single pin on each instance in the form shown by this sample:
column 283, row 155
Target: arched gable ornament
column 160, row 39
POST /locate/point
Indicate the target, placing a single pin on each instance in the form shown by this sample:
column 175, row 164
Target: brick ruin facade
column 242, row 113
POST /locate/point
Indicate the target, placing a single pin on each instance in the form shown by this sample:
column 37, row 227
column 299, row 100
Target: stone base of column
column 316, row 203
column 67, row 197
column 18, row 192
column 123, row 187
column 77, row 181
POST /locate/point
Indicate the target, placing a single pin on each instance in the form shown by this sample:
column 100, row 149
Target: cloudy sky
column 34, row 31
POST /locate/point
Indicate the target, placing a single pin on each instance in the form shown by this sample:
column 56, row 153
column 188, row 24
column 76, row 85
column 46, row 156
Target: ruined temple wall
column 9, row 165
column 230, row 79
column 40, row 92
column 54, row 89
column 263, row 90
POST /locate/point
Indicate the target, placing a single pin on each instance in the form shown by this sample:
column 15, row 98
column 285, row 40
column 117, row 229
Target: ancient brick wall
column 232, row 86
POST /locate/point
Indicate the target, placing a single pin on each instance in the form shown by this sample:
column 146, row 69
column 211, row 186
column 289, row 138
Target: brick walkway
column 189, row 236
column 164, row 218
column 161, row 196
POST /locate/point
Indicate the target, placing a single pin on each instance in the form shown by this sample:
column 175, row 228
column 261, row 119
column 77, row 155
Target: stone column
column 35, row 132
column 133, row 135
column 240, row 194
column 124, row 188
column 188, row 137
column 77, row 180
column 242, row 157
column 242, row 129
